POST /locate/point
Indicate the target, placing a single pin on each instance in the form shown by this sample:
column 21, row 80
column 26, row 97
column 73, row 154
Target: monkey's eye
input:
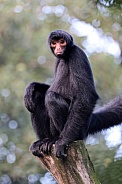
column 53, row 43
column 62, row 42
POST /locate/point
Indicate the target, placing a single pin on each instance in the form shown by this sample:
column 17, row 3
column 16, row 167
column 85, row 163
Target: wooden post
column 75, row 169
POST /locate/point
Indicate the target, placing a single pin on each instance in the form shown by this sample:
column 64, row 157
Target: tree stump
column 76, row 168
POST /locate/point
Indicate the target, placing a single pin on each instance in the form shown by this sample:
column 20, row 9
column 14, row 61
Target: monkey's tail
column 107, row 116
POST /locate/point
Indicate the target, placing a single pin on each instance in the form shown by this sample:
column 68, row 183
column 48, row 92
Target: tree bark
column 75, row 169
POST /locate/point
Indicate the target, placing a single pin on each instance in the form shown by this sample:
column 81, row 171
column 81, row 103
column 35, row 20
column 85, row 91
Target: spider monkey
column 64, row 111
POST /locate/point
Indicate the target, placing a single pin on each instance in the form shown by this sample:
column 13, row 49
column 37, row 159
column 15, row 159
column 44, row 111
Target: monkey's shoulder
column 78, row 55
column 76, row 49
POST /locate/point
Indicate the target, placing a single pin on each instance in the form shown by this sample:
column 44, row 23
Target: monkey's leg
column 57, row 108
column 35, row 102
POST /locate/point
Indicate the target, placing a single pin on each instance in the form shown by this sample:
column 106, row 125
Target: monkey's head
column 60, row 42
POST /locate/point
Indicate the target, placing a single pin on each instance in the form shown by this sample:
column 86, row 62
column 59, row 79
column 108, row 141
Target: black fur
column 63, row 112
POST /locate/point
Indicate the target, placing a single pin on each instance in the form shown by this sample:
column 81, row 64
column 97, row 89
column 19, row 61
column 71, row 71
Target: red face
column 58, row 47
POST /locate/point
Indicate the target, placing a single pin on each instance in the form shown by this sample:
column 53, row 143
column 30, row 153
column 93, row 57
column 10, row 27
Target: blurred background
column 96, row 26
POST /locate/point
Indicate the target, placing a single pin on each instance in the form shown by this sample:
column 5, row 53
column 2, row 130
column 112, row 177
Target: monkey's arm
column 75, row 127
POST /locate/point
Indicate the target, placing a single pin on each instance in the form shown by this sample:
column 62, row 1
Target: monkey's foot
column 35, row 148
column 47, row 145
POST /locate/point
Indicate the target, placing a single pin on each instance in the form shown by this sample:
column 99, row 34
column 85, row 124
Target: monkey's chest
column 63, row 83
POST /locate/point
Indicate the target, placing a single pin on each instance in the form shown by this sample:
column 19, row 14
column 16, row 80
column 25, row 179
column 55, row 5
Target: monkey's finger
column 50, row 145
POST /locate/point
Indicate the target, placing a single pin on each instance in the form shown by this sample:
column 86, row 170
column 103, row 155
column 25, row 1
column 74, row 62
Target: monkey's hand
column 35, row 148
column 60, row 149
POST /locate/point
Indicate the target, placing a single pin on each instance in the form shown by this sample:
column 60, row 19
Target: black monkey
column 64, row 111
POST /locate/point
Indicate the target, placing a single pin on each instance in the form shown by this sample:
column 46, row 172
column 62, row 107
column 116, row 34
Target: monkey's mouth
column 59, row 53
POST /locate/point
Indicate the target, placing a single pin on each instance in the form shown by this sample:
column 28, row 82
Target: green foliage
column 25, row 57
column 107, row 167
